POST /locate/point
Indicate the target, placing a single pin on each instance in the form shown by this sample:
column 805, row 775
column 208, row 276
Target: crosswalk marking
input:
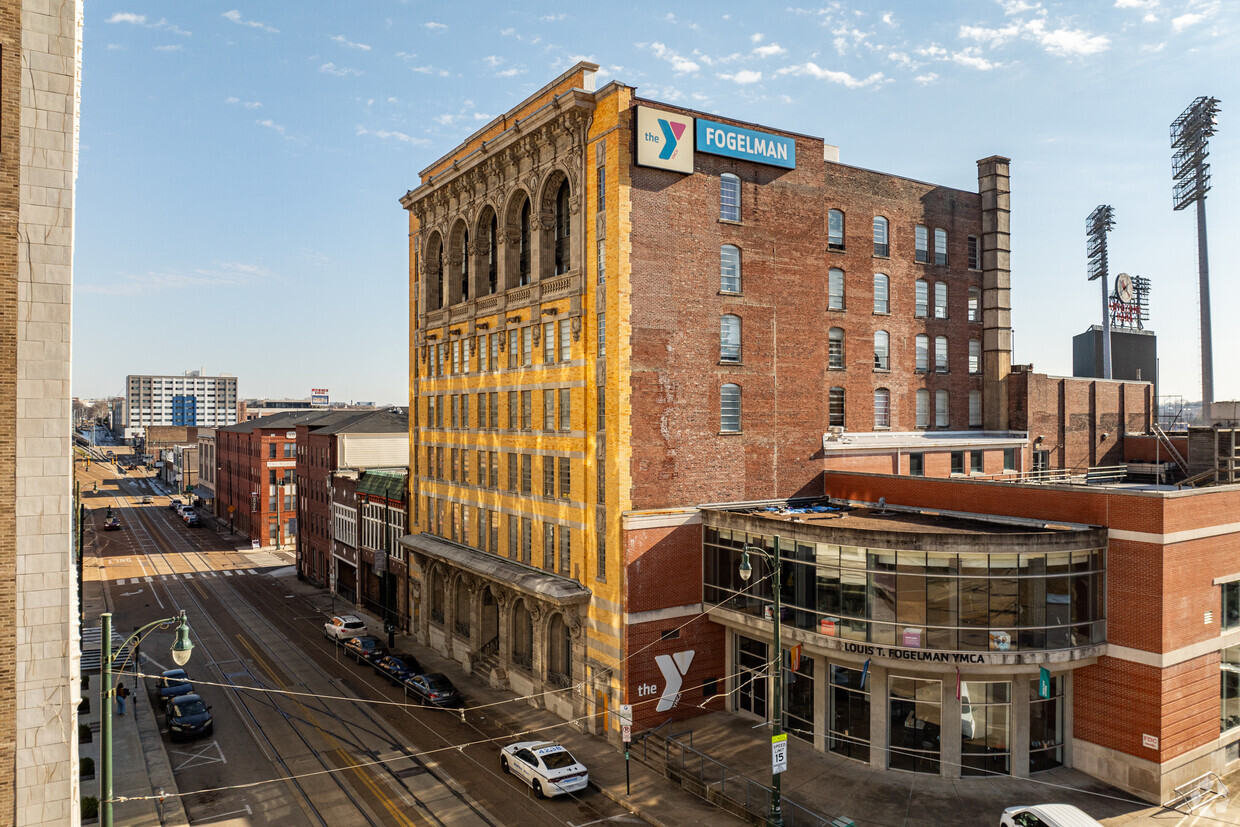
column 251, row 571
column 148, row 579
column 188, row 576
column 183, row 575
column 227, row 573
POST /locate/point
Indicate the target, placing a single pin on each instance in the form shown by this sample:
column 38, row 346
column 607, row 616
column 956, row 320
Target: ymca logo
column 671, row 134
column 674, row 668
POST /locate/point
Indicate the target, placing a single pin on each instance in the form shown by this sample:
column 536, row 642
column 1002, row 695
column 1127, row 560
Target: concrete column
column 822, row 684
column 1018, row 726
column 994, row 186
column 950, row 731
column 880, row 713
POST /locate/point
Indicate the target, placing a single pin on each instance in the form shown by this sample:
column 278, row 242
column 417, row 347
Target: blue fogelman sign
column 746, row 144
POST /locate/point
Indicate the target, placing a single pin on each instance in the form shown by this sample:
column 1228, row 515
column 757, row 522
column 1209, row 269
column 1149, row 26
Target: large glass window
column 916, row 724
column 940, row 300
column 923, row 408
column 922, row 352
column 730, row 269
column 730, row 408
column 921, row 243
column 1046, row 726
column 940, row 409
column 882, row 408
column 1229, row 663
column 985, row 728
column 940, row 247
column 975, row 304
column 921, row 303
column 835, row 289
column 835, row 230
column 751, row 678
column 975, row 410
column 975, row 356
column 835, row 407
column 881, row 298
column 1231, row 605
column 562, row 229
column 730, row 338
column 882, row 356
column 940, row 354
column 799, row 688
column 848, row 719
column 975, row 253
column 729, row 197
column 881, row 247
column 835, row 348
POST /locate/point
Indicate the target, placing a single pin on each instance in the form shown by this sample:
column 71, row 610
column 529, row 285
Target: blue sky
column 240, row 167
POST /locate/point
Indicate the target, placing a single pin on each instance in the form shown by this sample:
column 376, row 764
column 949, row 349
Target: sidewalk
column 653, row 798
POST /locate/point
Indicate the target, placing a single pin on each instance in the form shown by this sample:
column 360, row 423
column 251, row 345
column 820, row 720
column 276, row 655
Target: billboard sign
column 664, row 140
column 746, row 144
column 318, row 397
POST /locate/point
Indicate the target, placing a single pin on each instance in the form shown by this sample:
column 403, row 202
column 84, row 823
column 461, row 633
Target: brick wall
column 679, row 454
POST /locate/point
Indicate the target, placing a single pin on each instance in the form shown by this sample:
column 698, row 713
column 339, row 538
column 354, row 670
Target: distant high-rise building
column 188, row 400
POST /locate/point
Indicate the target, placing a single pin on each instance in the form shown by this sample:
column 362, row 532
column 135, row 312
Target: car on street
column 434, row 688
column 145, row 499
column 544, row 765
column 191, row 520
column 112, row 524
column 189, row 717
column 1046, row 815
column 398, row 667
column 342, row 627
column 365, row 648
column 175, row 504
column 173, row 683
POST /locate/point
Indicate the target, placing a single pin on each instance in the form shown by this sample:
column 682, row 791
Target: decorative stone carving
column 537, row 335
column 546, row 220
column 575, row 324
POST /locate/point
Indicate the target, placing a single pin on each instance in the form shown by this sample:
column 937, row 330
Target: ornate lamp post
column 775, row 818
column 181, row 651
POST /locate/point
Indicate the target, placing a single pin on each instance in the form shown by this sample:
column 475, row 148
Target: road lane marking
column 251, row 571
column 131, row 594
column 200, row 756
column 148, row 578
column 227, row 573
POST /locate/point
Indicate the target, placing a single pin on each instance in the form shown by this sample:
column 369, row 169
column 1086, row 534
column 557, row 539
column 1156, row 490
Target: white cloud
column 888, row 18
column 770, row 50
column 669, row 94
column 222, row 274
column 344, row 41
column 508, row 73
column 339, row 71
column 115, row 47
column 433, row 26
column 756, row 37
column 270, row 124
column 392, row 135
column 406, row 55
column 247, row 104
column 493, row 61
column 1020, row 7
column 1150, row 18
column 934, row 50
column 743, row 77
column 991, row 37
column 927, row 78
column 1068, row 42
column 971, row 59
column 1185, row 20
column 680, row 65
column 173, row 48
column 842, row 78
column 552, row 18
column 235, row 16
column 171, row 28
column 429, row 70
column 1136, row 4
column 128, row 17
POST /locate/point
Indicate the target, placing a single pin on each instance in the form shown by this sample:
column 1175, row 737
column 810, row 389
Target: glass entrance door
column 751, row 661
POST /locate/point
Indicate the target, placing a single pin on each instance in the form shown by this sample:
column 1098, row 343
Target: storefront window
column 916, row 724
column 985, row 728
column 1229, row 663
column 751, row 677
column 1046, row 726
column 799, row 694
column 848, row 727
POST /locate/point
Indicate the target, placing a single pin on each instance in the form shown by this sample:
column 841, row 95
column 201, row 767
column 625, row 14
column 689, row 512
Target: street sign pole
column 626, row 735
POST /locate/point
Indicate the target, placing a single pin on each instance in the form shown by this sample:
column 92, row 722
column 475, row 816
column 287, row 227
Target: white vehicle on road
column 1046, row 815
column 544, row 765
column 343, row 627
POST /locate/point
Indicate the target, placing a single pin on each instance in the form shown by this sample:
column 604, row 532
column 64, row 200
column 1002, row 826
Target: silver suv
column 343, row 627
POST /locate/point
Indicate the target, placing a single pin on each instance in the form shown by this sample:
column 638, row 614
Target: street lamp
column 181, row 650
column 775, row 818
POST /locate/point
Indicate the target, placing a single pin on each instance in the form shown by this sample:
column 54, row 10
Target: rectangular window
column 514, row 348
column 439, row 464
column 975, row 253
column 975, row 305
column 957, row 462
column 940, row 354
column 513, row 473
column 600, row 468
column 600, row 558
column 548, row 410
column 940, row 247
column 975, row 462
column 527, row 531
column 566, row 550
column 493, row 347
column 548, row 342
column 940, row 300
column 566, row 409
column 1229, row 691
column 975, row 409
column 566, row 340
column 494, row 400
column 600, row 189
column 1009, row 459
column 601, row 332
column 482, row 534
column 548, row 476
column 527, row 345
column 271, row 450
column 940, row 409
column 456, row 356
column 1231, row 605
column 835, row 289
column 493, row 521
column 601, row 256
column 452, row 464
column 835, row 230
column 527, row 473
column 917, row 465
column 482, row 412
column 548, row 546
column 288, row 449
column 975, row 356
column 494, row 469
column 921, row 242
column 456, row 411
column 566, row 478
column 730, row 409
column 512, row 537
column 514, row 410
column 881, row 304
column 601, row 412
column 482, row 468
column 527, row 410
column 439, row 408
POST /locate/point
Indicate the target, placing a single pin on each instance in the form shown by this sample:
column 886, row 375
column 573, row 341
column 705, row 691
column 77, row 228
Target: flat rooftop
column 865, row 517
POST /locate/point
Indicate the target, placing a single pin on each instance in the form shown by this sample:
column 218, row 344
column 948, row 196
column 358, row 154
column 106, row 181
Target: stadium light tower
column 1189, row 135
column 1097, row 225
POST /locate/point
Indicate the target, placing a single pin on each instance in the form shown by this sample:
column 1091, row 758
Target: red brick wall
column 645, row 681
column 1147, row 449
column 663, row 567
column 1072, row 414
column 679, row 456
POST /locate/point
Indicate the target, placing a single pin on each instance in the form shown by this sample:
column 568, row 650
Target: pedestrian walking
column 122, row 694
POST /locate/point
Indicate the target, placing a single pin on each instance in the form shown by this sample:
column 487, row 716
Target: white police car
column 544, row 765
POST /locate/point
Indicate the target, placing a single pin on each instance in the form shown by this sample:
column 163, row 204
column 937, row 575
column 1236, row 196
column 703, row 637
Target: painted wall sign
column 664, row 140
column 674, row 668
column 746, row 144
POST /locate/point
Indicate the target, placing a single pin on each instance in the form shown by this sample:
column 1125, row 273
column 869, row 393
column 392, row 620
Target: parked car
column 175, row 503
column 112, row 524
column 145, row 499
column 398, row 667
column 189, row 717
column 434, row 688
column 544, row 765
column 191, row 520
column 173, row 683
column 365, row 648
column 1046, row 815
column 343, row 627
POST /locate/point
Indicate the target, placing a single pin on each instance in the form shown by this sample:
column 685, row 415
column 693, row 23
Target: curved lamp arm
column 182, row 648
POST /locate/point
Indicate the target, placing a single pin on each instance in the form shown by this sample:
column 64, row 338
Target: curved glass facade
column 984, row 600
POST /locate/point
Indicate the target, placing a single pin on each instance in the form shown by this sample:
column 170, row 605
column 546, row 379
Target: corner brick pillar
column 993, row 184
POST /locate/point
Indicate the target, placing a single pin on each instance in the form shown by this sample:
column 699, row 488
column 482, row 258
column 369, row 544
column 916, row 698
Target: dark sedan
column 398, row 667
column 189, row 717
column 112, row 524
column 434, row 688
column 173, row 683
column 365, row 648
